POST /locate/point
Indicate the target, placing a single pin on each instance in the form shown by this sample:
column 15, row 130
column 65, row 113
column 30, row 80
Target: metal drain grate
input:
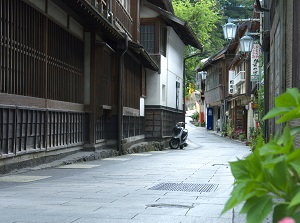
column 188, row 187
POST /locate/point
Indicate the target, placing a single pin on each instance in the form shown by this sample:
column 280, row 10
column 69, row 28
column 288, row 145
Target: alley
column 190, row 185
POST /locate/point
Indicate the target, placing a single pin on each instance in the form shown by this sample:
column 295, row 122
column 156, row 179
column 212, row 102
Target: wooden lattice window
column 148, row 37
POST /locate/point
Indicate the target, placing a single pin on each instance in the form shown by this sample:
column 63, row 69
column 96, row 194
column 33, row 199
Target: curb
column 81, row 156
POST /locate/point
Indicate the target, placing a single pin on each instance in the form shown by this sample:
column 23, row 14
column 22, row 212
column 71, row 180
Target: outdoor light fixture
column 203, row 75
column 229, row 30
column 200, row 76
column 246, row 44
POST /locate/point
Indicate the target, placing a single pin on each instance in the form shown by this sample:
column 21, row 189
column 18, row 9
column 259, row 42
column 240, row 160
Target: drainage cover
column 188, row 187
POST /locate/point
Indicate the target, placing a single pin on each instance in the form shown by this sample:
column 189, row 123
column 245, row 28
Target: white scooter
column 179, row 137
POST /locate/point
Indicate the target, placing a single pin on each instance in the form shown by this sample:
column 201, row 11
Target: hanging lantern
column 229, row 30
column 246, row 44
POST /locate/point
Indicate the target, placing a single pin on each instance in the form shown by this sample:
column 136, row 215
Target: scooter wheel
column 174, row 143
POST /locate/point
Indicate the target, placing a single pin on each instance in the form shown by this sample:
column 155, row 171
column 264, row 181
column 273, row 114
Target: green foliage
column 241, row 9
column 229, row 128
column 255, row 133
column 268, row 179
column 202, row 16
column 205, row 19
column 195, row 116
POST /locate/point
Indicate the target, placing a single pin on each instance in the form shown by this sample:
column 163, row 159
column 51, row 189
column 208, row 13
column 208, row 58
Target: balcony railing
column 123, row 18
column 240, row 78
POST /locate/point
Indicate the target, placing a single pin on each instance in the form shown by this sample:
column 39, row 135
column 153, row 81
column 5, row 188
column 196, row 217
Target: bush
column 268, row 179
column 195, row 116
column 229, row 128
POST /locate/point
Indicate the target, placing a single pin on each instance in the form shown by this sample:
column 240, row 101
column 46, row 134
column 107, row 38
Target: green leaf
column 288, row 99
column 295, row 155
column 258, row 212
column 280, row 211
column 296, row 165
column 249, row 204
column 291, row 115
column 276, row 112
column 295, row 130
column 295, row 201
column 236, row 197
column 285, row 138
column 239, row 169
column 281, row 175
column 270, row 148
column 271, row 162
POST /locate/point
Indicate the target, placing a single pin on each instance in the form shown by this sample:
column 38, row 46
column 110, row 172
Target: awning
column 142, row 55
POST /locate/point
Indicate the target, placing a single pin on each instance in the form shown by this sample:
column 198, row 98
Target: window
column 164, row 93
column 148, row 37
column 177, row 94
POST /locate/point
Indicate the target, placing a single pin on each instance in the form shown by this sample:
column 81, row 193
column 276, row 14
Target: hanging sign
column 255, row 62
column 231, row 82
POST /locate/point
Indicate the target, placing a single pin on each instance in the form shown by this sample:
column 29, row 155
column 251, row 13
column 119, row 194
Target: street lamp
column 203, row 75
column 229, row 30
column 246, row 44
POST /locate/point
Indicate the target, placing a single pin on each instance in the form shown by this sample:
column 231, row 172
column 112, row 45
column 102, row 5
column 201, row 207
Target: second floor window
column 148, row 37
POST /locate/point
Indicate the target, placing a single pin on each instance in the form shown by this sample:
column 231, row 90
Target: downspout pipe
column 120, row 96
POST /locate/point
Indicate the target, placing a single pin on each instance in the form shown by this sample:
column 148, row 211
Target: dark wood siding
column 131, row 83
column 38, row 57
column 24, row 130
column 296, row 46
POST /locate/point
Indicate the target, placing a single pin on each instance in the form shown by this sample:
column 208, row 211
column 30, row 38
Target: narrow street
column 190, row 185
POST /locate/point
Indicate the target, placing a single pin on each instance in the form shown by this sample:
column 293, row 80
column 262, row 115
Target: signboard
column 231, row 81
column 255, row 62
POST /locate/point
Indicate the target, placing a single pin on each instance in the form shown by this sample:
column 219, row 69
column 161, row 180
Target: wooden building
column 72, row 75
column 281, row 47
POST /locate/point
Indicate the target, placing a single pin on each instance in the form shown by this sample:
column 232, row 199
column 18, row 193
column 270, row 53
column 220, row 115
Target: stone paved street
column 176, row 186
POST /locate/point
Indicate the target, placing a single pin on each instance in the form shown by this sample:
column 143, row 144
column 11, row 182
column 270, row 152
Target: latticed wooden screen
column 38, row 57
column 24, row 130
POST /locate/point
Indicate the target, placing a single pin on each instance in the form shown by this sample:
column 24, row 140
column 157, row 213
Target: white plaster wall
column 164, row 80
column 142, row 106
column 153, row 88
column 171, row 71
column 147, row 13
column 175, row 52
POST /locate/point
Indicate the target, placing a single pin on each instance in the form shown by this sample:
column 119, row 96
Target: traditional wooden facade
column 281, row 47
column 228, row 84
column 64, row 65
column 216, row 86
